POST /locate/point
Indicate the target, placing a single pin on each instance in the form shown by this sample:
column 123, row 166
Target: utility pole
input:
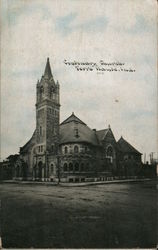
column 144, row 158
column 45, row 171
column 58, row 161
column 151, row 157
column 58, row 164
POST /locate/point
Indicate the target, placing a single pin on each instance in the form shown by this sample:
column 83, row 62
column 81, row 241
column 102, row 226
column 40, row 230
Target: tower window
column 76, row 149
column 52, row 148
column 41, row 90
column 52, row 89
column 76, row 132
column 40, row 148
column 40, row 130
column 66, row 150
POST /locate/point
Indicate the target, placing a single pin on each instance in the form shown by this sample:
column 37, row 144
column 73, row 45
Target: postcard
column 79, row 124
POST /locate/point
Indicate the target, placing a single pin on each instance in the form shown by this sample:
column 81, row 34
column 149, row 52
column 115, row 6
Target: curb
column 83, row 184
column 101, row 183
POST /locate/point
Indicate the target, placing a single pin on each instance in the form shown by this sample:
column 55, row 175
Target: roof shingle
column 125, row 147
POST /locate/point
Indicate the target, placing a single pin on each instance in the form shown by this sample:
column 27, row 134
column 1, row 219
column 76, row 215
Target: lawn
column 103, row 216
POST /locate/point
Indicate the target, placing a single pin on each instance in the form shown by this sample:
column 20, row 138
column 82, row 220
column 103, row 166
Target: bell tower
column 47, row 112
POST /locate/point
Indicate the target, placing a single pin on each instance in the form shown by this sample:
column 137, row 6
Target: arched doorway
column 51, row 168
column 51, row 171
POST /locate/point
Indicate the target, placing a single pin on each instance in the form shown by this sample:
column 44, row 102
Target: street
column 104, row 216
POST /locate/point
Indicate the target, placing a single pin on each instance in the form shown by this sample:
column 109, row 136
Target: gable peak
column 73, row 118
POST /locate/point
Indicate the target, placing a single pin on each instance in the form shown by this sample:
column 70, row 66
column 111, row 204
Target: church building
column 70, row 151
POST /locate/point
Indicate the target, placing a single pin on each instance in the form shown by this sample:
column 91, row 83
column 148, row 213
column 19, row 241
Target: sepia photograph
column 79, row 141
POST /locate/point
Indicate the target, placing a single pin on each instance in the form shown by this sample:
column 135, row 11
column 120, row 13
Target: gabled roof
column 101, row 134
column 27, row 144
column 48, row 72
column 126, row 147
column 72, row 118
column 73, row 130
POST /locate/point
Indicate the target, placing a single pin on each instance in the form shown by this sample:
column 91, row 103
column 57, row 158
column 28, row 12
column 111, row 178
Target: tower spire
column 48, row 72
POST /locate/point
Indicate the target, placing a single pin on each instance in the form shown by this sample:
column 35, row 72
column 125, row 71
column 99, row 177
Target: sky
column 84, row 31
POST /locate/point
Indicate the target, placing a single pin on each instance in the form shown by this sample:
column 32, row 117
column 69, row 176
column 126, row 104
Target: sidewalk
column 82, row 184
column 79, row 184
column 29, row 182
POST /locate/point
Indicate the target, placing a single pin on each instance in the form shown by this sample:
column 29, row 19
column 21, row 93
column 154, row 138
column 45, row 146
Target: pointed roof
column 32, row 141
column 126, row 147
column 48, row 72
column 73, row 130
column 101, row 134
column 73, row 118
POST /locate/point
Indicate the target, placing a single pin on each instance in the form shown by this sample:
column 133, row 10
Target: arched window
column 66, row 150
column 52, row 167
column 40, row 130
column 41, row 90
column 70, row 166
column 76, row 149
column 109, row 153
column 76, row 166
column 65, row 167
column 76, row 132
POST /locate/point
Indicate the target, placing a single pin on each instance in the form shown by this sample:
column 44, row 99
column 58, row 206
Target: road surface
column 104, row 216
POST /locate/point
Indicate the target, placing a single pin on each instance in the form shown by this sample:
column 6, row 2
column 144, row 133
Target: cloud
column 65, row 25
column 80, row 30
column 140, row 26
